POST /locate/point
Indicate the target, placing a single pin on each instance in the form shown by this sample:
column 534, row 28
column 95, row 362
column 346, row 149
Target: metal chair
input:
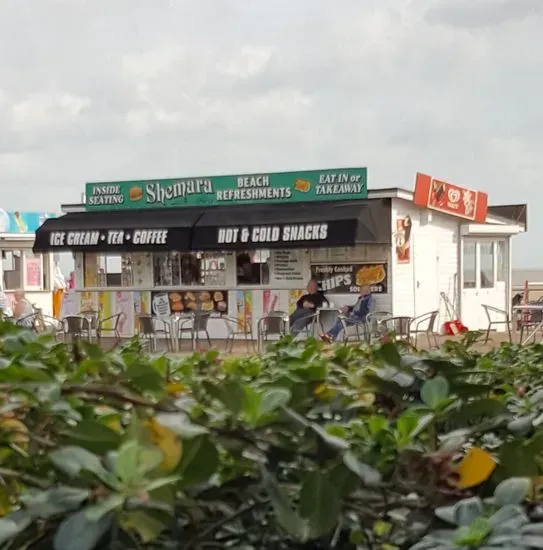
column 75, row 327
column 149, row 332
column 93, row 318
column 400, row 327
column 497, row 316
column 352, row 331
column 102, row 328
column 197, row 324
column 425, row 324
column 529, row 321
column 45, row 324
column 275, row 323
column 238, row 327
column 374, row 329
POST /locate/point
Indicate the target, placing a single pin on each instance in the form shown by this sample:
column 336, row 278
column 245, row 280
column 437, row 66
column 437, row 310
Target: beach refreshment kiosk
column 21, row 268
column 244, row 245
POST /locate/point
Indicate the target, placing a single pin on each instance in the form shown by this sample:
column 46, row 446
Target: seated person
column 356, row 314
column 22, row 309
column 306, row 306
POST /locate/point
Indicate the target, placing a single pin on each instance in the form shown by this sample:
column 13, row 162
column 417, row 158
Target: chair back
column 275, row 323
column 401, row 326
column 374, row 320
column 432, row 321
column 91, row 316
column 74, row 324
column 200, row 321
column 146, row 324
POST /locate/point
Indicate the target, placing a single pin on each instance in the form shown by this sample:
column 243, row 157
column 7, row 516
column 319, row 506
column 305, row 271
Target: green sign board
column 282, row 187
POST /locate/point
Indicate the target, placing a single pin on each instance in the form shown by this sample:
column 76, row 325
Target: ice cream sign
column 451, row 199
column 111, row 238
column 20, row 222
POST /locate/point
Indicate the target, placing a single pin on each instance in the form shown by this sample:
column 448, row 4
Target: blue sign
column 22, row 223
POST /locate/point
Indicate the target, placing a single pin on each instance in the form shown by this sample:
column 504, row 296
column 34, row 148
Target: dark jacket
column 318, row 299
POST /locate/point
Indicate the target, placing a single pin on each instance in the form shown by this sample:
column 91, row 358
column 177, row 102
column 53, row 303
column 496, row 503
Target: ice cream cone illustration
column 20, row 223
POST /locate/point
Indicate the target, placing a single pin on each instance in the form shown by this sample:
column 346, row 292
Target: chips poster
column 349, row 278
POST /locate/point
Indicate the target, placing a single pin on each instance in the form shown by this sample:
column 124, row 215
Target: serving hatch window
column 189, row 269
column 252, row 267
column 101, row 270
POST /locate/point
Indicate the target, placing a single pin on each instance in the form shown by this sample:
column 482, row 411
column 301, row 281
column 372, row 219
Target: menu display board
column 349, row 278
column 287, row 266
column 189, row 301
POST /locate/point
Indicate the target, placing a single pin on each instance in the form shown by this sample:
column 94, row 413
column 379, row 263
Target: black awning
column 120, row 231
column 306, row 225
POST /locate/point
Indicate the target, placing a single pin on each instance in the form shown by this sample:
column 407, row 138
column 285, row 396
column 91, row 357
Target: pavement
column 240, row 347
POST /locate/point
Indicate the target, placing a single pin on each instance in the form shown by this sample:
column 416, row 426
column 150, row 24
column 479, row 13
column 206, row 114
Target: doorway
column 426, row 269
column 485, row 273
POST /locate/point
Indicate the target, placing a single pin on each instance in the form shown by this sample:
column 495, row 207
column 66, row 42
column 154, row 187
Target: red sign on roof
column 451, row 199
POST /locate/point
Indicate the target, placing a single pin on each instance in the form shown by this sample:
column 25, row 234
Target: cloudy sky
column 95, row 90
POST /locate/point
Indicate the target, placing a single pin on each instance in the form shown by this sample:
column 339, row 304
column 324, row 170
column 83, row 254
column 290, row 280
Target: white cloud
column 95, row 90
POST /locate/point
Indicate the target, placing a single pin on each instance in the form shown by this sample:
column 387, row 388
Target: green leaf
column 370, row 476
column 512, row 491
column 13, row 524
column 343, row 479
column 45, row 504
column 406, row 424
column 199, row 462
column 434, row 390
column 289, row 520
column 144, row 377
column 93, row 436
column 77, row 531
column 161, row 482
column 467, row 510
column 319, row 504
column 73, row 460
column 181, row 425
column 423, row 423
column 229, row 393
column 332, row 441
column 273, row 399
column 147, row 524
column 390, row 354
column 127, row 461
column 109, row 504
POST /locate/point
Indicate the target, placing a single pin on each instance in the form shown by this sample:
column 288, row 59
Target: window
column 12, row 267
column 35, row 275
column 502, row 261
column 486, row 254
column 189, row 269
column 469, row 264
column 101, row 270
column 252, row 267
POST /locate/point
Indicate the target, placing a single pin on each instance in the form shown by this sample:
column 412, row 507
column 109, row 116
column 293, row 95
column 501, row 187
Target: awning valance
column 306, row 225
column 137, row 230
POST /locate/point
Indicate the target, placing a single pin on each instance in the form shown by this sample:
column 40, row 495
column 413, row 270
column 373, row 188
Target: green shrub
column 301, row 447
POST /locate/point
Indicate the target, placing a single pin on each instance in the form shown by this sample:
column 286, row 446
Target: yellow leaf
column 5, row 502
column 168, row 442
column 537, row 488
column 477, row 466
column 381, row 528
column 175, row 388
column 15, row 432
column 324, row 392
column 367, row 399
